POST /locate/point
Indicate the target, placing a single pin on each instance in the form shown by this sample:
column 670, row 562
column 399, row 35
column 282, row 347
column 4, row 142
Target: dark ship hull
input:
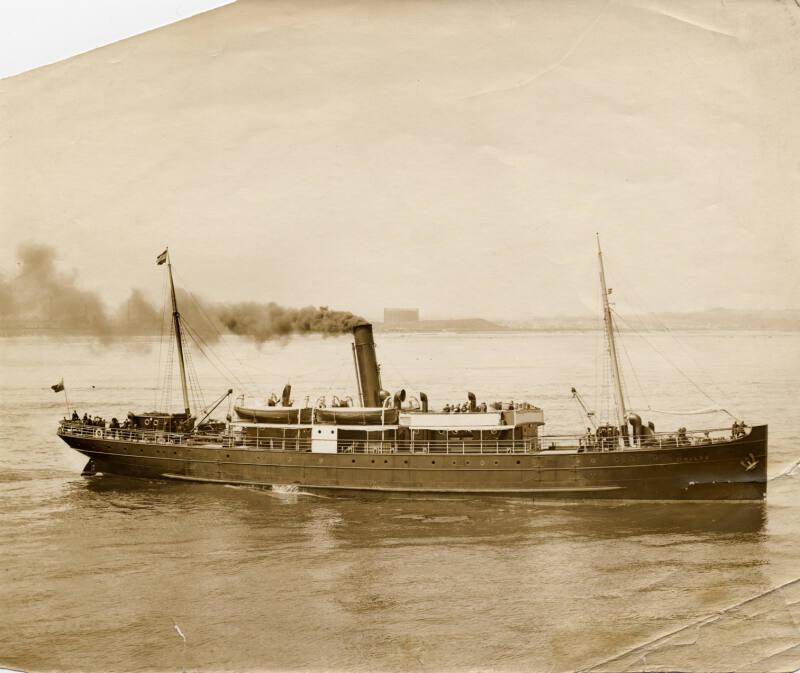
column 724, row 469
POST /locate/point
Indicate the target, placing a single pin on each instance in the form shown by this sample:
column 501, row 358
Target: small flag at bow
column 58, row 387
column 161, row 258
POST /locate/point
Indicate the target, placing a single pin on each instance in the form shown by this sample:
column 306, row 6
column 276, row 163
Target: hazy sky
column 455, row 156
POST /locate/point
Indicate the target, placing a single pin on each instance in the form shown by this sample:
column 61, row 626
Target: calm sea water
column 97, row 571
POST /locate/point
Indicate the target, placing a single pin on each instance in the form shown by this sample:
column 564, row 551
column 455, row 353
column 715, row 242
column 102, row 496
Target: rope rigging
column 220, row 337
column 162, row 326
column 632, row 369
column 167, row 382
column 638, row 315
column 612, row 321
column 214, row 360
column 674, row 365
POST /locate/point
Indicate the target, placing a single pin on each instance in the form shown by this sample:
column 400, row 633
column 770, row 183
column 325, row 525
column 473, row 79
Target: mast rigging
column 612, row 346
column 176, row 319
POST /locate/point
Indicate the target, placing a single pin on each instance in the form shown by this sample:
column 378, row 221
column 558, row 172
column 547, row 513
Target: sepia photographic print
column 397, row 336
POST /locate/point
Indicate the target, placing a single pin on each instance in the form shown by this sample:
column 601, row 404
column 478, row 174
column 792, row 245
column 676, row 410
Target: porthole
column 372, row 461
column 517, row 462
column 353, row 461
column 406, row 462
column 467, row 462
column 433, row 462
column 454, row 462
column 385, row 461
column 227, row 455
column 495, row 462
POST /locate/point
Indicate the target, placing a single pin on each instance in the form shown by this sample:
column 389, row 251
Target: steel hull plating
column 729, row 470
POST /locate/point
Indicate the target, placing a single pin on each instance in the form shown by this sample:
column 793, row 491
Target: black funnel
column 367, row 371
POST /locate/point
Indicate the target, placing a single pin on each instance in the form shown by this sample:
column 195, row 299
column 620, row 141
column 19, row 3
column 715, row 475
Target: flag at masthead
column 176, row 319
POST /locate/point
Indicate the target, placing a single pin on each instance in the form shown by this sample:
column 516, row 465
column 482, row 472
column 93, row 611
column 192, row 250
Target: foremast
column 612, row 346
column 176, row 320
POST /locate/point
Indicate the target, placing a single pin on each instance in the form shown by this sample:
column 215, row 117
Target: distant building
column 400, row 316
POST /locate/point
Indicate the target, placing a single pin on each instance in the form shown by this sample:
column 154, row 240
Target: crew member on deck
column 75, row 416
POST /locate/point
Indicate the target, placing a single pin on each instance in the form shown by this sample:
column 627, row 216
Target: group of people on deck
column 738, row 429
column 99, row 422
column 463, row 408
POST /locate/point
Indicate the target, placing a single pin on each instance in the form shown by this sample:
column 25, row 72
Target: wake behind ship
column 396, row 443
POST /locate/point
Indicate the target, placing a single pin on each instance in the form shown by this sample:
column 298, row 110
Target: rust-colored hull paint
column 715, row 471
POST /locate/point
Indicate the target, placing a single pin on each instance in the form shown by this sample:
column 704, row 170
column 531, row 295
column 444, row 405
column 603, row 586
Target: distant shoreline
column 704, row 321
column 54, row 332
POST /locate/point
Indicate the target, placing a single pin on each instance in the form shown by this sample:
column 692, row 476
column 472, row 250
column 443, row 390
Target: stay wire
column 195, row 390
column 220, row 337
column 228, row 375
column 623, row 384
column 671, row 362
column 166, row 385
column 337, row 378
column 160, row 342
column 396, row 374
column 631, row 289
column 630, row 368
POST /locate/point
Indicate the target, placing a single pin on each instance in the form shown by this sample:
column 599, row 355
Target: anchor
column 749, row 463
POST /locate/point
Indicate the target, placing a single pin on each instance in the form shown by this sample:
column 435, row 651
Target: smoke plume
column 266, row 321
column 40, row 296
column 41, row 299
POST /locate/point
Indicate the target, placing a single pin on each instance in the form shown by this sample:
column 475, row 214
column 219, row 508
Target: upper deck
column 478, row 420
column 294, row 417
column 327, row 439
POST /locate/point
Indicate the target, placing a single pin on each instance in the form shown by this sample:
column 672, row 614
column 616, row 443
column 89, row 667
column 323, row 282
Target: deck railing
column 78, row 429
column 228, row 439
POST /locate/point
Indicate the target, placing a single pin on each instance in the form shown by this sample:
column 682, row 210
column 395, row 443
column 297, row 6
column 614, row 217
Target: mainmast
column 176, row 319
column 612, row 346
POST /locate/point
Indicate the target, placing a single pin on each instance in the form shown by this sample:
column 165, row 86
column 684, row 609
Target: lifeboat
column 273, row 414
column 357, row 416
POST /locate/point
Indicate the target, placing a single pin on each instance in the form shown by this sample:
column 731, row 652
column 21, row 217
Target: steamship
column 398, row 443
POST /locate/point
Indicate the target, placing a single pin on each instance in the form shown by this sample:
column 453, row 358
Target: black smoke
column 267, row 321
column 41, row 299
